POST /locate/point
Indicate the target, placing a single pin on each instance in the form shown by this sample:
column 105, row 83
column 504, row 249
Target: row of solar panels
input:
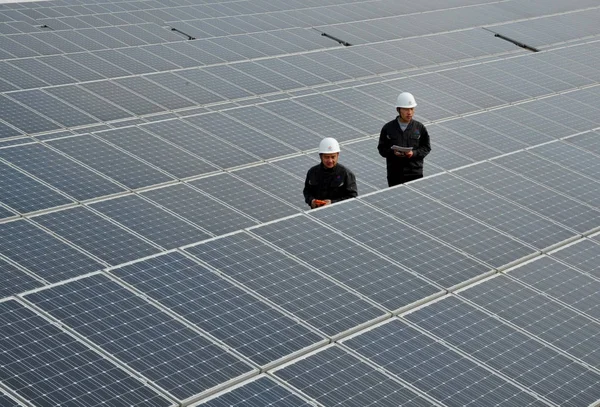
column 78, row 105
column 79, row 239
column 116, row 160
column 185, row 324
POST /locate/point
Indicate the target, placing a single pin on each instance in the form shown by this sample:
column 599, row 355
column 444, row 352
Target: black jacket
column 415, row 136
column 335, row 184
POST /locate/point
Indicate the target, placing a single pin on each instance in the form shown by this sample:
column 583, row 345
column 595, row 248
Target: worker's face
column 329, row 160
column 406, row 113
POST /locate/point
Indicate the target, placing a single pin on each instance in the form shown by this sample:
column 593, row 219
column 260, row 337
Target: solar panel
column 547, row 173
column 141, row 336
column 257, row 393
column 97, row 235
column 88, row 102
column 567, row 330
column 125, row 142
column 324, row 305
column 61, row 369
column 25, row 194
column 582, row 255
column 474, row 238
column 24, row 119
column 335, row 377
column 495, row 211
column 155, row 224
column 275, row 182
column 533, row 196
column 436, row 369
column 173, row 160
column 241, row 136
column 198, row 142
column 16, row 280
column 526, row 361
column 246, row 198
column 561, row 282
column 313, row 120
column 110, row 161
column 345, row 261
column 227, row 312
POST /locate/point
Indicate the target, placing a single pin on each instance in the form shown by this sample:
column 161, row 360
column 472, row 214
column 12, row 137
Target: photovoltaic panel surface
column 559, row 178
column 57, row 170
column 335, row 377
column 97, row 235
column 15, row 279
column 557, row 280
column 257, row 393
column 528, row 362
column 583, row 255
column 112, row 162
column 326, row 306
column 136, row 333
column 345, row 261
column 150, row 221
column 254, row 202
column 464, row 233
column 533, row 196
column 24, row 194
column 198, row 142
column 168, row 157
column 42, row 253
column 408, row 247
column 436, row 369
column 495, row 211
column 62, row 370
column 117, row 74
column 218, row 307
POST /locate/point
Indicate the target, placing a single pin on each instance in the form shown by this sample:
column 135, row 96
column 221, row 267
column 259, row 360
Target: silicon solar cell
column 150, row 221
column 25, row 194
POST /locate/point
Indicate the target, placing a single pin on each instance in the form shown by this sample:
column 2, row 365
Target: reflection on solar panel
column 152, row 156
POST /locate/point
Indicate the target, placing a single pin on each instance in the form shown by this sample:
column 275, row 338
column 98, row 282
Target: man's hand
column 315, row 203
column 406, row 154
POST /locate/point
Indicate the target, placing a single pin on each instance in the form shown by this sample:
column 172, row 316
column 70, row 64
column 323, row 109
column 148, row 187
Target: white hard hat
column 406, row 99
column 329, row 145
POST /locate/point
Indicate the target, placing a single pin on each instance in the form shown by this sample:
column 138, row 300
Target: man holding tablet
column 404, row 142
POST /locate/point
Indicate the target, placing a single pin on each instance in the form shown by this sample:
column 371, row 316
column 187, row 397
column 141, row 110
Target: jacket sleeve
column 351, row 190
column 308, row 193
column 384, row 144
column 424, row 144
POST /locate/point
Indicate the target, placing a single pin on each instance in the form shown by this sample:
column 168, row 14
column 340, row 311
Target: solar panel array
column 156, row 250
